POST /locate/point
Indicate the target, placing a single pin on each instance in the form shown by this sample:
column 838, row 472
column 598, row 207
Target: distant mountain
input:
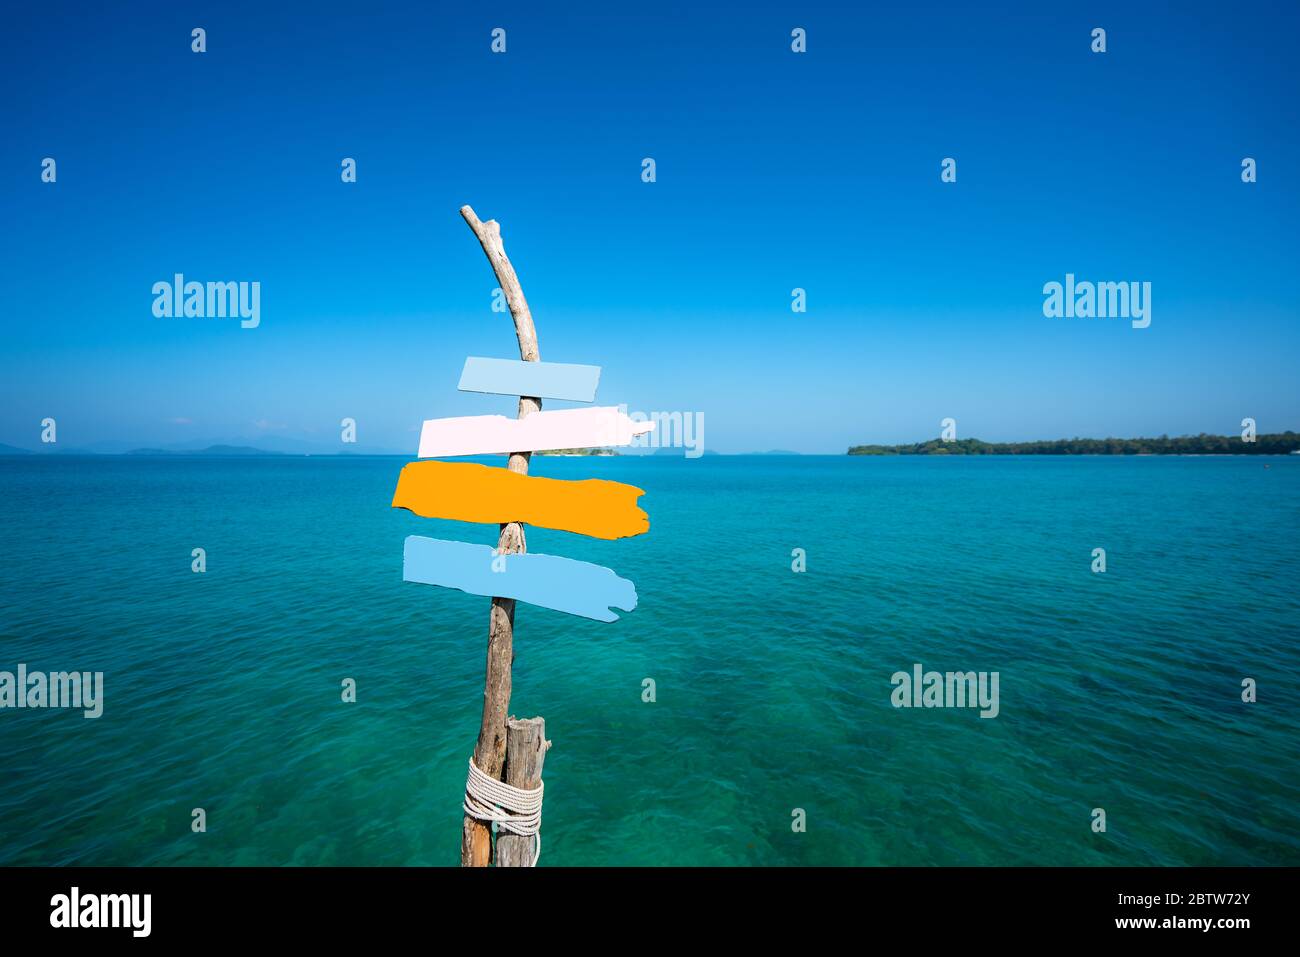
column 237, row 450
column 107, row 447
column 210, row 450
column 289, row 445
column 50, row 448
column 199, row 448
column 679, row 451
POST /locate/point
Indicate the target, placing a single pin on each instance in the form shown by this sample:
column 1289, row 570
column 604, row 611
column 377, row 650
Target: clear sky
column 775, row 170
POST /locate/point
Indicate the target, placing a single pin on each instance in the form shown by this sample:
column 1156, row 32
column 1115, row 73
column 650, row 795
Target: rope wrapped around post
column 513, row 809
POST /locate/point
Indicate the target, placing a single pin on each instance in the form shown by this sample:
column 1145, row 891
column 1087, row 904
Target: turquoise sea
column 1119, row 690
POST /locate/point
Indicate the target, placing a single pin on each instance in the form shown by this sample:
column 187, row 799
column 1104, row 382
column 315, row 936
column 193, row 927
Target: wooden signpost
column 509, row 753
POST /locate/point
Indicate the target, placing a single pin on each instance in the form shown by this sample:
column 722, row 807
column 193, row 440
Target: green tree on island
column 1278, row 443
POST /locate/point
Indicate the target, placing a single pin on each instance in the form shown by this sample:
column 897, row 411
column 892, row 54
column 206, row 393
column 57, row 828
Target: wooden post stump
column 526, row 747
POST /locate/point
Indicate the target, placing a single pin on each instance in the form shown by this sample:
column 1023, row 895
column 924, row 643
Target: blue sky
column 774, row 170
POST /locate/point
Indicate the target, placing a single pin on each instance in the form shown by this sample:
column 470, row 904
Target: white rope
column 509, row 808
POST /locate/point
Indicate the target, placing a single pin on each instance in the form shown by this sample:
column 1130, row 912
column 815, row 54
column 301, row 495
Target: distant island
column 210, row 450
column 577, row 452
column 218, row 450
column 1278, row 443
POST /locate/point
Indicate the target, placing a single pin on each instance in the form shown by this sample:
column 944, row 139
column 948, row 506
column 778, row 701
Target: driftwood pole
column 490, row 751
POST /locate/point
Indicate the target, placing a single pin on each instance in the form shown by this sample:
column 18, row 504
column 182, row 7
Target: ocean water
column 1119, row 690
